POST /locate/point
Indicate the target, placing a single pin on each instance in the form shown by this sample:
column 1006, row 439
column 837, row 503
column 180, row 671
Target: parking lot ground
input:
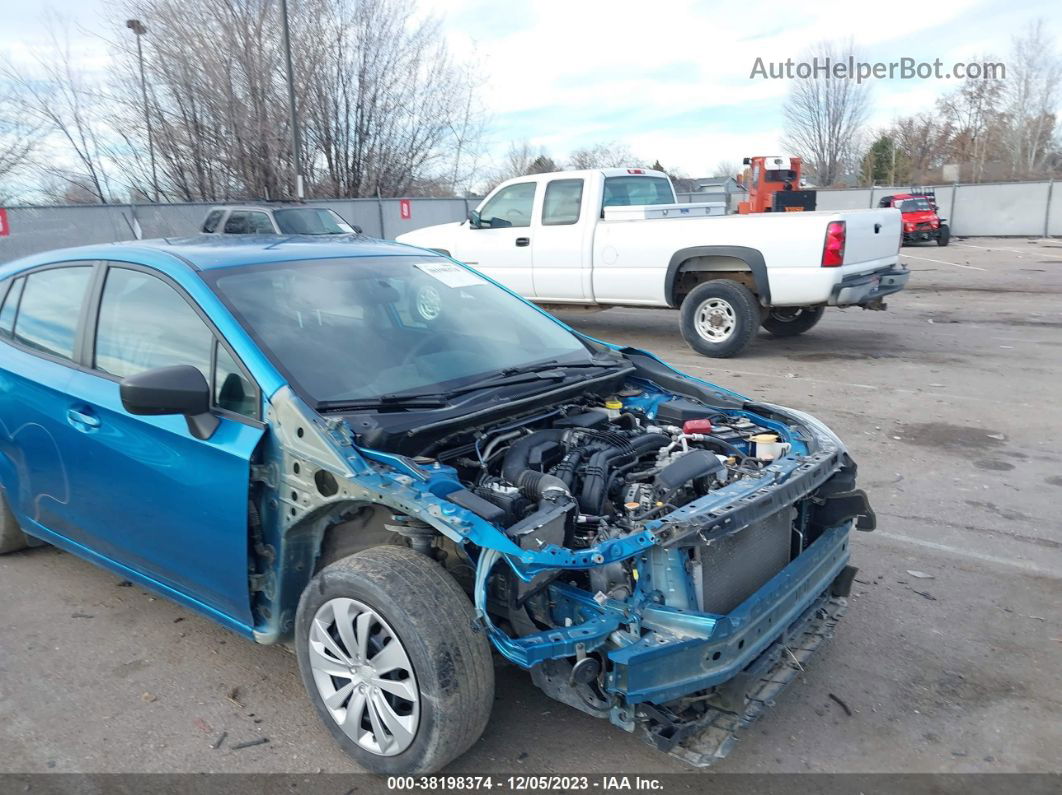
column 951, row 403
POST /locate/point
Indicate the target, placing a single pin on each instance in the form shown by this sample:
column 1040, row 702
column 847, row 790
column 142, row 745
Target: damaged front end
column 655, row 550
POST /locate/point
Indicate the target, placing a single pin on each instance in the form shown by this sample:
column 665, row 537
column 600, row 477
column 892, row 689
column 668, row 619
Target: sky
column 670, row 79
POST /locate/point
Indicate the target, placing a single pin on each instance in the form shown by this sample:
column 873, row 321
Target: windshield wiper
column 427, row 401
column 509, row 376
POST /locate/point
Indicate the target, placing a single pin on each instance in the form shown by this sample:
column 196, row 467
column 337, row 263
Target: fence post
column 1047, row 209
column 951, row 212
column 379, row 208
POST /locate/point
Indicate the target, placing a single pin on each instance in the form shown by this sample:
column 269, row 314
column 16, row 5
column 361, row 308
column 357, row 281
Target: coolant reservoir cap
column 614, row 404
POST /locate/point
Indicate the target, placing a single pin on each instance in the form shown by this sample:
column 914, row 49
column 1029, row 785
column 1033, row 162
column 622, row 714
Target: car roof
column 266, row 206
column 207, row 252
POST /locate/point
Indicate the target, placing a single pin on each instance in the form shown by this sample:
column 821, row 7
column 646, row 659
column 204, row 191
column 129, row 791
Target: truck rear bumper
column 862, row 289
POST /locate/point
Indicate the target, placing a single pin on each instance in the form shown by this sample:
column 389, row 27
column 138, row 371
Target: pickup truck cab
column 618, row 237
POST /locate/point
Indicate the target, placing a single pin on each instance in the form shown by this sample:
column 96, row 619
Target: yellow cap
column 613, row 403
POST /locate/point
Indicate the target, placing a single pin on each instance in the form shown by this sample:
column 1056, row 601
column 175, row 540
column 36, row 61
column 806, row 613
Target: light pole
column 296, row 159
column 140, row 29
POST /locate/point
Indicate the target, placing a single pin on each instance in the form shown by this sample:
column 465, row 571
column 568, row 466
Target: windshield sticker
column 449, row 274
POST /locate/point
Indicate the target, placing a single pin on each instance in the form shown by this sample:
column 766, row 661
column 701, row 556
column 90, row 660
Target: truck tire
column 390, row 660
column 790, row 321
column 719, row 318
column 944, row 236
column 12, row 539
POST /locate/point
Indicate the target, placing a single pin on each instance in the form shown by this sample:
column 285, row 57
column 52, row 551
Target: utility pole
column 296, row 159
column 140, row 29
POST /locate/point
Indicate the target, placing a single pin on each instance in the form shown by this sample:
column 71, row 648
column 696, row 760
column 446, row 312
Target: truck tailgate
column 871, row 235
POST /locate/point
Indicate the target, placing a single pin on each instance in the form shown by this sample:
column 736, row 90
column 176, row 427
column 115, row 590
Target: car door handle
column 523, row 241
column 82, row 420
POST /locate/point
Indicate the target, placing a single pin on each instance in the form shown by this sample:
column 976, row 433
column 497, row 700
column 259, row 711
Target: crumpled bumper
column 685, row 652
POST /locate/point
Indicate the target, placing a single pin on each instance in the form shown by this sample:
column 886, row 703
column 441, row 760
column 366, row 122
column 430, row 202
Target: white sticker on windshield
column 449, row 274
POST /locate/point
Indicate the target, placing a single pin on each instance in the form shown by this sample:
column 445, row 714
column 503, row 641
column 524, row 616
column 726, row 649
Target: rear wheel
column 718, row 318
column 391, row 663
column 945, row 235
column 790, row 321
column 12, row 538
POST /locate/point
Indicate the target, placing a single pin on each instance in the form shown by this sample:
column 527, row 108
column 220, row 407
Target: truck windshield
column 311, row 221
column 366, row 327
column 636, row 191
column 915, row 206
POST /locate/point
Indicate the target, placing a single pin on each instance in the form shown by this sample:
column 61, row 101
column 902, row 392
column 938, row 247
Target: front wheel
column 391, row 663
column 790, row 321
column 718, row 318
column 12, row 539
column 944, row 236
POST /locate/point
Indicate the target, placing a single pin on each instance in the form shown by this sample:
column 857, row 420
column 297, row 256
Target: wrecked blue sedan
column 386, row 460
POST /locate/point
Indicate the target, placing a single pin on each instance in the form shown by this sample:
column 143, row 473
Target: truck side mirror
column 474, row 219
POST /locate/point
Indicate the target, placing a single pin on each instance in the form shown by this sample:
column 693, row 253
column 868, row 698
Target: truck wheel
column 790, row 321
column 12, row 539
column 718, row 318
column 944, row 237
column 390, row 660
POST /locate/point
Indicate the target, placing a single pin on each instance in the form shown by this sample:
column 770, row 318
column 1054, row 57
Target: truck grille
column 733, row 567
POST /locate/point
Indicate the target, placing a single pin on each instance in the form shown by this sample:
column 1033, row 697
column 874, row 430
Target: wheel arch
column 716, row 259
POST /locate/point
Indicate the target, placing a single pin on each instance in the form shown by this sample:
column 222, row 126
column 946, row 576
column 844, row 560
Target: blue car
column 379, row 456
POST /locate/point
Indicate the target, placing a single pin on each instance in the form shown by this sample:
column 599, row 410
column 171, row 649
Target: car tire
column 385, row 595
column 791, row 321
column 12, row 539
column 944, row 237
column 719, row 318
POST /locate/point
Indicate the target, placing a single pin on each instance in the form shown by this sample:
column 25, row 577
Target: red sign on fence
column 405, row 209
column 5, row 230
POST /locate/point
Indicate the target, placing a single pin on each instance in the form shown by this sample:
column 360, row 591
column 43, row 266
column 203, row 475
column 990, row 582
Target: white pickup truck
column 617, row 237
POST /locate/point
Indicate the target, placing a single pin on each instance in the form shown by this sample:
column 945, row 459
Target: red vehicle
column 920, row 219
column 773, row 185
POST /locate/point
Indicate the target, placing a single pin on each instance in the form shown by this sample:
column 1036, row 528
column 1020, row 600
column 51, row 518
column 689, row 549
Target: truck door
column 563, row 243
column 499, row 245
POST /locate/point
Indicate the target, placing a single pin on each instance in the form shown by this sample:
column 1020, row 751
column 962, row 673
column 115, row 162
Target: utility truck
column 618, row 237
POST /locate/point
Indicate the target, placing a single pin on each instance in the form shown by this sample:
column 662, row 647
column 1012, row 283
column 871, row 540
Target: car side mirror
column 474, row 220
column 180, row 389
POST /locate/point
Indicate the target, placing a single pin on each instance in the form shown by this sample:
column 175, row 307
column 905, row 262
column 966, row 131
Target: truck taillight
column 833, row 248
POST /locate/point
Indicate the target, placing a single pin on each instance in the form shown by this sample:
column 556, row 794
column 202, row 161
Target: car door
column 150, row 495
column 563, row 249
column 39, row 331
column 499, row 245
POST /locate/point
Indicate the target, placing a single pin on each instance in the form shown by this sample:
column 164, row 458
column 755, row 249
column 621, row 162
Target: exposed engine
column 586, row 472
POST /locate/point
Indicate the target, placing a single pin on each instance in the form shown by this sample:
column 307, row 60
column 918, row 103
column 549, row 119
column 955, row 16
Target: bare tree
column 54, row 97
column 726, row 168
column 1033, row 86
column 823, row 117
column 17, row 140
column 601, row 155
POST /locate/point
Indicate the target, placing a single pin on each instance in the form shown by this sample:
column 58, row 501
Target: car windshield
column 361, row 328
column 637, row 191
column 915, row 206
column 311, row 221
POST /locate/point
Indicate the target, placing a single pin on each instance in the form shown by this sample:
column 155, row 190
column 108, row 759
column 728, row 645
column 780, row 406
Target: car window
column 637, row 191
column 561, row 202
column 144, row 323
column 259, row 224
column 212, row 220
column 311, row 221
column 7, row 312
column 232, row 390
column 510, row 206
column 50, row 308
column 915, row 206
column 236, row 224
